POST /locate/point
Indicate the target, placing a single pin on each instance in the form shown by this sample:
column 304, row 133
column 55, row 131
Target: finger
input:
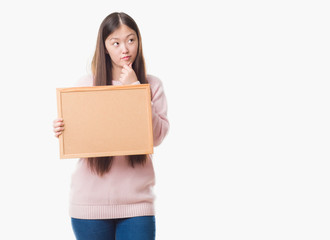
column 58, row 120
column 124, row 70
column 58, row 134
column 127, row 67
column 58, row 124
column 58, row 129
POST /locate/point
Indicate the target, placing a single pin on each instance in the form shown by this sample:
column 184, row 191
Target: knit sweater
column 124, row 191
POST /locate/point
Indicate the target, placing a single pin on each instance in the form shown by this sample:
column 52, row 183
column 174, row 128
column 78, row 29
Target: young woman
column 112, row 197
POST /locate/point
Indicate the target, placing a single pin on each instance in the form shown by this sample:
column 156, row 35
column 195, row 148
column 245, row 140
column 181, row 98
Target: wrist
column 135, row 83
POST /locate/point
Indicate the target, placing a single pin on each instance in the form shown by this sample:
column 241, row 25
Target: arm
column 160, row 122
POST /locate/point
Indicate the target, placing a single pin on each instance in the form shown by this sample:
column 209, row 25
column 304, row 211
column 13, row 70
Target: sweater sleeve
column 160, row 122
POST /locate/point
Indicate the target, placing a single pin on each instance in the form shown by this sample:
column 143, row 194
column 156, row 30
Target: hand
column 58, row 126
column 128, row 75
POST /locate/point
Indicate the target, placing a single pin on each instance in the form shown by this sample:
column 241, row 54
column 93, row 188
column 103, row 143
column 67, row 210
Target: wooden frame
column 105, row 121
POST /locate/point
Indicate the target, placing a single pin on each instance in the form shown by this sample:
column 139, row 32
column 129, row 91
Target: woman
column 112, row 197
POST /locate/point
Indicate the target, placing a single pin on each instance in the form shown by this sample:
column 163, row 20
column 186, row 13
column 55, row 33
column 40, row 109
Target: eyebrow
column 126, row 36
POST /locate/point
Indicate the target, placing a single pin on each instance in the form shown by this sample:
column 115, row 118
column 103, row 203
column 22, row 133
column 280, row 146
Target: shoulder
column 85, row 81
column 156, row 87
column 153, row 79
column 155, row 82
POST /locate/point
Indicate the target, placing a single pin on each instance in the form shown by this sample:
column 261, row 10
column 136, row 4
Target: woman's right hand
column 58, row 126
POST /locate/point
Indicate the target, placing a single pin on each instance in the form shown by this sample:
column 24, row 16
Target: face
column 122, row 46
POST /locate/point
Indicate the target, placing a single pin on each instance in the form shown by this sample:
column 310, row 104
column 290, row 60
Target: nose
column 124, row 48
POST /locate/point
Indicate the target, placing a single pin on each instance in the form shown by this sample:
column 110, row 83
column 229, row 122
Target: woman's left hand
column 128, row 75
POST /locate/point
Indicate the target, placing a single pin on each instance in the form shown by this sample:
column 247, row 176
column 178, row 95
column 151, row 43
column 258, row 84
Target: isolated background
column 247, row 82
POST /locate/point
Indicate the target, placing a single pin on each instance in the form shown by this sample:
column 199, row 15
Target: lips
column 126, row 58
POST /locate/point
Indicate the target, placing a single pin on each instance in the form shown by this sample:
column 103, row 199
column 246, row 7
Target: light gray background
column 247, row 156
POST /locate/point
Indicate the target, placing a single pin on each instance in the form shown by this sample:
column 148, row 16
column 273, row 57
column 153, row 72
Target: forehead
column 122, row 32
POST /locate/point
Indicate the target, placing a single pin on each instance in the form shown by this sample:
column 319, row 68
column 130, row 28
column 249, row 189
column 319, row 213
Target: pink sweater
column 123, row 191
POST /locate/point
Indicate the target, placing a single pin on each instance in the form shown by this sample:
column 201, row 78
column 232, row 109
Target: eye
column 115, row 44
column 131, row 40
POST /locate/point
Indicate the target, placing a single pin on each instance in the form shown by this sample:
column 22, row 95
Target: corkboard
column 105, row 121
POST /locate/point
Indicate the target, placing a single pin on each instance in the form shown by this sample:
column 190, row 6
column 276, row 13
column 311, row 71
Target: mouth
column 126, row 58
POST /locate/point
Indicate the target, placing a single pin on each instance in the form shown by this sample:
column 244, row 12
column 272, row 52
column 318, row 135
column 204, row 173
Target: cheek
column 107, row 47
column 114, row 55
column 134, row 50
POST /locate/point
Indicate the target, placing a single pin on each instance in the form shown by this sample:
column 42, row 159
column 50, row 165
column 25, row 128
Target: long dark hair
column 102, row 71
